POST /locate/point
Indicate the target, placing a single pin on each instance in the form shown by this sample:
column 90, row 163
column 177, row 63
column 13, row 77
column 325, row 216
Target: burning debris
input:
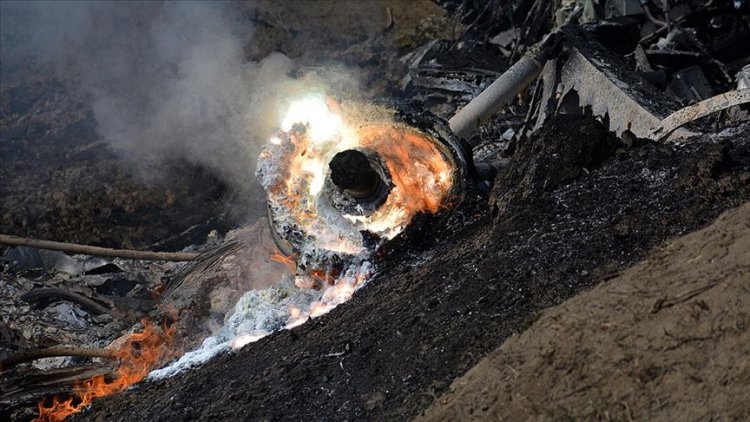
column 137, row 353
column 70, row 313
column 344, row 183
column 340, row 184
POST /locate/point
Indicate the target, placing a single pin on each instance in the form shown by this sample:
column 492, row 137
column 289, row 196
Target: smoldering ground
column 166, row 81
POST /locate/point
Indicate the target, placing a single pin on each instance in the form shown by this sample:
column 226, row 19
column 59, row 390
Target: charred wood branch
column 32, row 355
column 97, row 251
column 55, row 293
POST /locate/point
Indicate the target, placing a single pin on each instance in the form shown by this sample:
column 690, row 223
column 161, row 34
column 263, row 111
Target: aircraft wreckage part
column 511, row 82
column 602, row 86
column 349, row 194
column 696, row 111
column 497, row 95
column 607, row 96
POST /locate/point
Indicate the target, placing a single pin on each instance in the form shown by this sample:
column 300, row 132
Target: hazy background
column 166, row 81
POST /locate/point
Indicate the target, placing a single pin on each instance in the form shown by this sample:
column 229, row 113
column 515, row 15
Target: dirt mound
column 463, row 286
column 667, row 339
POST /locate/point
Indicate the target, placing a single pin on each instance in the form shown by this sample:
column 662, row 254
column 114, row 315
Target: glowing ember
column 137, row 352
column 336, row 293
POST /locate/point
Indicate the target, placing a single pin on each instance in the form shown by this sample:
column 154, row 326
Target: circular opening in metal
column 360, row 181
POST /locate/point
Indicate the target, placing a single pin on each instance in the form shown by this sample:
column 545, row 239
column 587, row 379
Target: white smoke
column 167, row 81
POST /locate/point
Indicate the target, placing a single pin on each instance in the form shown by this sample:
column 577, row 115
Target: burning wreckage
column 349, row 185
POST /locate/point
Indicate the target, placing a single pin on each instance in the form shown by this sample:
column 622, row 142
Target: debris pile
column 62, row 313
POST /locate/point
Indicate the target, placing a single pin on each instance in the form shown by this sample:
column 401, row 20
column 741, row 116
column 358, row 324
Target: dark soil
column 60, row 181
column 574, row 208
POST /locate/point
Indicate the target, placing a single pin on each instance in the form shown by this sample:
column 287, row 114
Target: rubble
column 68, row 306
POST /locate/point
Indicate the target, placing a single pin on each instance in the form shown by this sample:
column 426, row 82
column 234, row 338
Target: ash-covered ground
column 578, row 208
column 574, row 207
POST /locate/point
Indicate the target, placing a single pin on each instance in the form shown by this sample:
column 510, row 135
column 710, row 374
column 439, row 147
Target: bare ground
column 668, row 340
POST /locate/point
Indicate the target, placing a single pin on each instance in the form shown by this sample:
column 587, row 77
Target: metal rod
column 97, row 251
column 510, row 83
column 497, row 95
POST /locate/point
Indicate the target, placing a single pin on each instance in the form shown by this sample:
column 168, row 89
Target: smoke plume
column 166, row 80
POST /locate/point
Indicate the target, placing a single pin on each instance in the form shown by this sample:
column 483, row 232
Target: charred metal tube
column 492, row 99
column 509, row 84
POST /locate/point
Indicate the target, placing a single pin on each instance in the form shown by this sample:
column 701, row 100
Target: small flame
column 336, row 292
column 289, row 261
column 137, row 352
column 240, row 341
column 421, row 177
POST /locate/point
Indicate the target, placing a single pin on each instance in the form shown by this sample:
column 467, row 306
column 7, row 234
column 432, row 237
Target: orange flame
column 289, row 261
column 137, row 352
column 421, row 171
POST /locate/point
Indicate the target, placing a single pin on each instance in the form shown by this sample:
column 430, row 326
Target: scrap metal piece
column 511, row 83
column 690, row 85
column 604, row 88
column 743, row 78
column 696, row 111
column 603, row 92
column 505, row 88
column 492, row 99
